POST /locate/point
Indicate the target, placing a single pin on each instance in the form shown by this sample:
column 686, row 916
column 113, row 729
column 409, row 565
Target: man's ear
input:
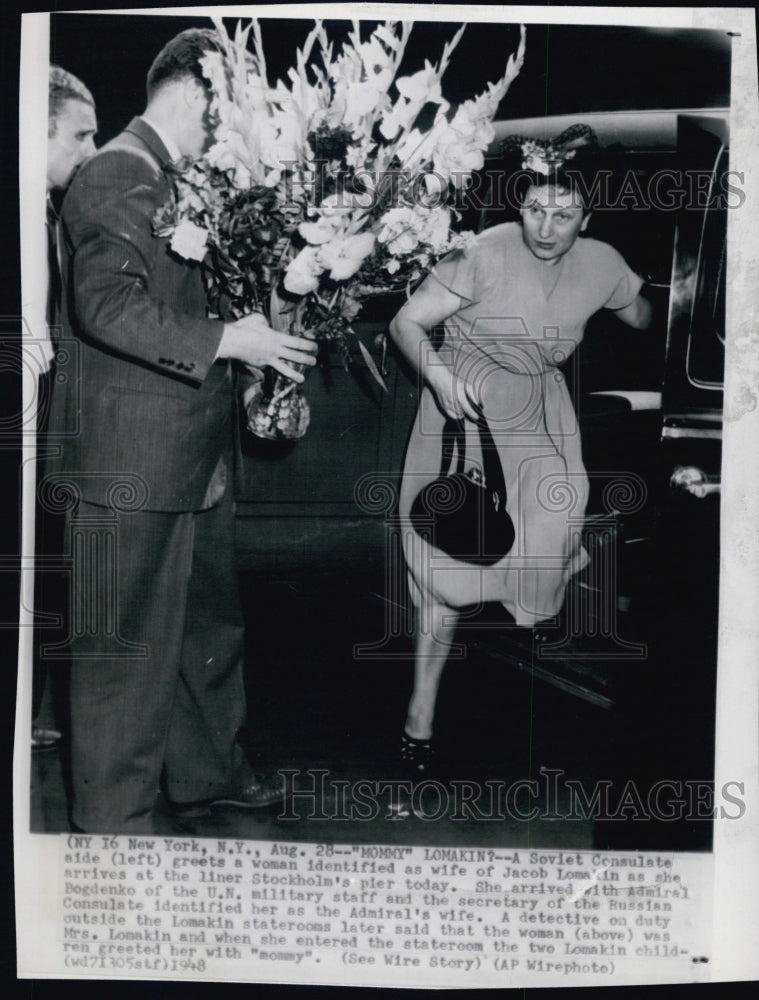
column 194, row 91
column 585, row 221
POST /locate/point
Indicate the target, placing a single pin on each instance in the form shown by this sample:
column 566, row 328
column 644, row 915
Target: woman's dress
column 521, row 319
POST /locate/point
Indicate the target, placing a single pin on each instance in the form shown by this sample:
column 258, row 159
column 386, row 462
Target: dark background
column 568, row 68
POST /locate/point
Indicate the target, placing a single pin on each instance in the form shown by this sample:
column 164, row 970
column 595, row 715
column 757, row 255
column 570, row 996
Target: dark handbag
column 464, row 513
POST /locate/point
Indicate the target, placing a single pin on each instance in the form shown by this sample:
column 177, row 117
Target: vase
column 276, row 408
column 275, row 405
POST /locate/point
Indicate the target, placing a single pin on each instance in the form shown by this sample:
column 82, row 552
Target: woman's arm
column 637, row 314
column 429, row 306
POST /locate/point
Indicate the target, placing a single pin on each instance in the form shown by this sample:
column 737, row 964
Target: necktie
column 55, row 283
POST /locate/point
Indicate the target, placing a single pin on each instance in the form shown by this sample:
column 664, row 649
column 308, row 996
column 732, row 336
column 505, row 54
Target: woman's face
column 552, row 220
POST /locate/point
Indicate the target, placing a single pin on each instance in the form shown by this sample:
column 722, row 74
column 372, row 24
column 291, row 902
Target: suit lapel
column 140, row 128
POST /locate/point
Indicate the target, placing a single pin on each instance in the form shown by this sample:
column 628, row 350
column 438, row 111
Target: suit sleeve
column 108, row 214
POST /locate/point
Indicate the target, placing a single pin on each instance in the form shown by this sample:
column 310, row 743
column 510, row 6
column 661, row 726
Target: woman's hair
column 569, row 164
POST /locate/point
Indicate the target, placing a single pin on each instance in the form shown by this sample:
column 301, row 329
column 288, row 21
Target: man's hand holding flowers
column 253, row 342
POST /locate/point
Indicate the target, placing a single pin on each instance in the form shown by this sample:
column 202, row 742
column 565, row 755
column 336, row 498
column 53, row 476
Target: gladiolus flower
column 423, row 87
column 455, row 159
column 231, row 153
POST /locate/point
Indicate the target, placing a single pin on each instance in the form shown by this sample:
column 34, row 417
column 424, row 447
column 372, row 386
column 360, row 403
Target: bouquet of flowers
column 323, row 190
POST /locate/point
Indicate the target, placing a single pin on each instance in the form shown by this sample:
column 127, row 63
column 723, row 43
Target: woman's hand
column 430, row 306
column 456, row 396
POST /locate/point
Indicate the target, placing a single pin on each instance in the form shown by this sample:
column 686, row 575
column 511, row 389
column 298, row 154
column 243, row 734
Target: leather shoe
column 191, row 810
column 260, row 791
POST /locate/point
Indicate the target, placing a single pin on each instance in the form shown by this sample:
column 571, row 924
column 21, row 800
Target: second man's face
column 73, row 142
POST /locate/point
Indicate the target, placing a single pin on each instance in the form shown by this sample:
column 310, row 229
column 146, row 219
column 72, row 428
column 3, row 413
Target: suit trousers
column 50, row 586
column 156, row 662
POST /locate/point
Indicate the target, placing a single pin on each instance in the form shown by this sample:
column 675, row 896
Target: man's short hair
column 63, row 86
column 181, row 57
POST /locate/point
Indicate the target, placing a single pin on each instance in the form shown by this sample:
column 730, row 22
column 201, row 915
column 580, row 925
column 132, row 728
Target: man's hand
column 252, row 341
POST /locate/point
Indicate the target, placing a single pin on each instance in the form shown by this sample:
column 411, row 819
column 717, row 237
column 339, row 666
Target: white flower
column 404, row 229
column 257, row 92
column 435, row 185
column 400, row 230
column 190, row 200
column 212, row 64
column 363, row 99
column 189, row 240
column 437, row 228
column 542, row 159
column 534, row 161
column 345, row 255
column 392, row 265
column 321, row 231
column 333, row 218
column 416, row 149
column 416, row 91
column 423, row 87
column 194, row 176
column 339, row 204
column 398, row 117
column 281, row 142
column 361, row 76
column 231, row 153
column 303, row 272
column 377, row 62
column 473, row 121
column 454, row 158
column 309, row 100
column 357, row 154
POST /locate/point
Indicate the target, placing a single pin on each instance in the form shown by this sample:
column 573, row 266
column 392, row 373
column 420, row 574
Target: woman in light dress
column 513, row 307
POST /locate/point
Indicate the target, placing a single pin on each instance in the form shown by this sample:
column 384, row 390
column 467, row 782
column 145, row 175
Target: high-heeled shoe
column 416, row 757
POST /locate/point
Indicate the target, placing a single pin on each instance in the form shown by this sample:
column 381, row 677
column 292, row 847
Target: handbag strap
column 454, row 437
column 492, row 469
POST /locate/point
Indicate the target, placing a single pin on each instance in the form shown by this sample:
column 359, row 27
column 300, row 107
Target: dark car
column 638, row 633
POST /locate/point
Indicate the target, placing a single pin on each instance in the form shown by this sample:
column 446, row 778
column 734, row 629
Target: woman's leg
column 434, row 632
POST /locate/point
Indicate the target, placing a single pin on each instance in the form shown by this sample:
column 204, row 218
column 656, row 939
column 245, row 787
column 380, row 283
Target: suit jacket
column 139, row 398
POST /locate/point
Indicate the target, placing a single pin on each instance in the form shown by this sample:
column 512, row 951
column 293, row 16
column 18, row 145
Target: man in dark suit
column 71, row 130
column 145, row 419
